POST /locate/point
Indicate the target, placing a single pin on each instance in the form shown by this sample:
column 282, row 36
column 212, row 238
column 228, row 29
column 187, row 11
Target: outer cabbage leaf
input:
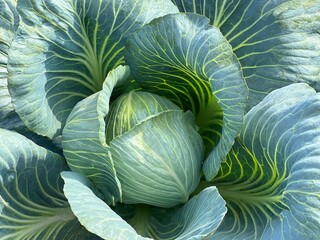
column 84, row 139
column 8, row 24
column 63, row 51
column 271, row 179
column 92, row 212
column 277, row 42
column 197, row 219
column 182, row 57
column 185, row 222
column 9, row 119
column 32, row 204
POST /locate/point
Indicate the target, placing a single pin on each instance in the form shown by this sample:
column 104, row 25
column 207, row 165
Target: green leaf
column 32, row 204
column 8, row 24
column 182, row 57
column 84, row 140
column 277, row 42
column 218, row 11
column 94, row 214
column 271, row 179
column 9, row 119
column 158, row 162
column 199, row 218
column 63, row 51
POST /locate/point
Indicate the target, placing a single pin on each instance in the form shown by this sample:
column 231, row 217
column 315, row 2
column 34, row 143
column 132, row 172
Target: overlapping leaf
column 271, row 179
column 92, row 212
column 181, row 57
column 63, row 51
column 197, row 219
column 32, row 204
column 8, row 24
column 84, row 140
column 277, row 42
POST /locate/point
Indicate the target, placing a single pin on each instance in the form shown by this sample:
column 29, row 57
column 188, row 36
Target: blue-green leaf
column 63, row 51
column 277, row 42
column 84, row 139
column 8, row 24
column 94, row 214
column 32, row 204
column 271, row 179
column 182, row 57
column 9, row 119
column 197, row 219
column 218, row 11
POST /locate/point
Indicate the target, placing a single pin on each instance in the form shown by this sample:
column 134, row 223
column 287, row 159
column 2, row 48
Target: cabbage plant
column 159, row 119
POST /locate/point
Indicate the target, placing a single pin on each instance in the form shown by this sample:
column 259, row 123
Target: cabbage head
column 159, row 119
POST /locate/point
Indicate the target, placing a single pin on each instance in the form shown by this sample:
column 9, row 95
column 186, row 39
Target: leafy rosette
column 159, row 119
column 32, row 203
column 271, row 179
column 139, row 149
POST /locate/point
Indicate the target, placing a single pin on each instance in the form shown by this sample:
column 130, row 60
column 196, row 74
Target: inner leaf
column 210, row 122
column 141, row 218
